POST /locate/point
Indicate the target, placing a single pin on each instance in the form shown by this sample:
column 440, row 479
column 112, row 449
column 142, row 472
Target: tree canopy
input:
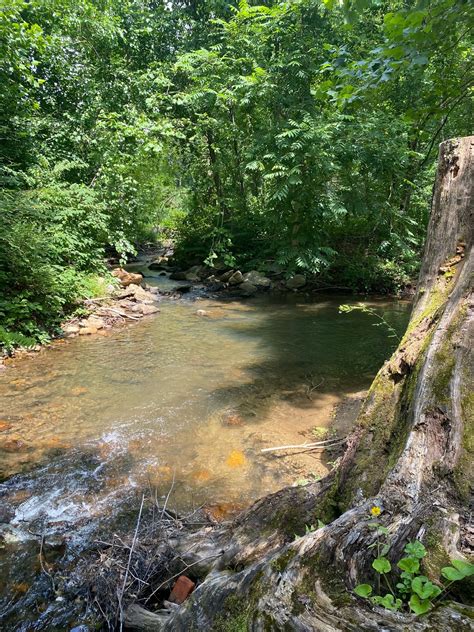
column 301, row 134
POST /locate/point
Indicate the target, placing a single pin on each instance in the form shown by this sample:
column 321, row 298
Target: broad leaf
column 409, row 564
column 363, row 590
column 382, row 565
column 415, row 549
column 419, row 606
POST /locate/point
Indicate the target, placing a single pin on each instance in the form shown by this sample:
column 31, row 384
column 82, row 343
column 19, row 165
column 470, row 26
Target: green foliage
column 371, row 311
column 414, row 591
column 300, row 134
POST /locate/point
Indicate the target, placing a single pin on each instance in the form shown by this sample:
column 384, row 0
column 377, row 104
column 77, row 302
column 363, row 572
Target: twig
column 319, row 444
column 116, row 311
column 168, row 495
column 135, row 535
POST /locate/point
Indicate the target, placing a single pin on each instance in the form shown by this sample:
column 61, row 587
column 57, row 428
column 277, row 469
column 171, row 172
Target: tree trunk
column 411, row 453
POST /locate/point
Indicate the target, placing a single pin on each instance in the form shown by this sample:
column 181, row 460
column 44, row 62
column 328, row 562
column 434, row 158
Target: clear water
column 179, row 400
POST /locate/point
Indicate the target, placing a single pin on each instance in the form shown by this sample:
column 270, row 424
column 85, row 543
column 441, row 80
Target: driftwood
column 411, row 454
column 329, row 443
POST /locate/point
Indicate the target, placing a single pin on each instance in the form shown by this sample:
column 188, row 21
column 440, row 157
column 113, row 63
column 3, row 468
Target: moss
column 438, row 296
column 290, row 520
column 237, row 612
column 281, row 562
column 333, row 580
column 464, row 470
column 436, row 556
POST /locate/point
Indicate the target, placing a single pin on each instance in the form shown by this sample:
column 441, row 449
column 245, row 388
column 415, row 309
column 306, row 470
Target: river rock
column 145, row 309
column 158, row 264
column 256, row 278
column 141, row 295
column 296, row 281
column 247, row 288
column 95, row 321
column 87, row 331
column 14, row 445
column 226, row 276
column 70, row 329
column 126, row 278
column 178, row 276
column 237, row 278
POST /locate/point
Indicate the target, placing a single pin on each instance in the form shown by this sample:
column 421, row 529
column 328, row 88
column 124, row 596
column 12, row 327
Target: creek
column 177, row 401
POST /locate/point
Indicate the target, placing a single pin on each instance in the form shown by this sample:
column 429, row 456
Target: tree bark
column 411, row 453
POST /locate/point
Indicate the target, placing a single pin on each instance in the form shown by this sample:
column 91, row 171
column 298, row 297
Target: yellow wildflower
column 375, row 511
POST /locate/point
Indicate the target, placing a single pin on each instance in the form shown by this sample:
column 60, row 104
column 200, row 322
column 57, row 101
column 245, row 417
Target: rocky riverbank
column 130, row 299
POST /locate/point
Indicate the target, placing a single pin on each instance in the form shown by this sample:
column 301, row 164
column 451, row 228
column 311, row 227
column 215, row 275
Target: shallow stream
column 180, row 402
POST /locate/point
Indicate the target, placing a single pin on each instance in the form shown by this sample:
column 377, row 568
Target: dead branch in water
column 329, row 443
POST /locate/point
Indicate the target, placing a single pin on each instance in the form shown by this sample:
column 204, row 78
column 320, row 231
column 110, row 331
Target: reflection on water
column 183, row 400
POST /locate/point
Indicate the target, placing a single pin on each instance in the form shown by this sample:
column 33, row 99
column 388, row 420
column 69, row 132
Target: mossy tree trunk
column 411, row 453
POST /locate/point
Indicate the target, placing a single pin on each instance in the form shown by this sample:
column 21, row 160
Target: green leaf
column 382, row 565
column 463, row 567
column 363, row 590
column 424, row 588
column 388, row 601
column 419, row 606
column 453, row 574
column 415, row 549
column 409, row 564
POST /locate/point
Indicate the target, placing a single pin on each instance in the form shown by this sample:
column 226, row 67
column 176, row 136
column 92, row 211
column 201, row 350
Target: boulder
column 237, row 278
column 126, row 278
column 296, row 281
column 256, row 278
column 158, row 264
column 247, row 288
